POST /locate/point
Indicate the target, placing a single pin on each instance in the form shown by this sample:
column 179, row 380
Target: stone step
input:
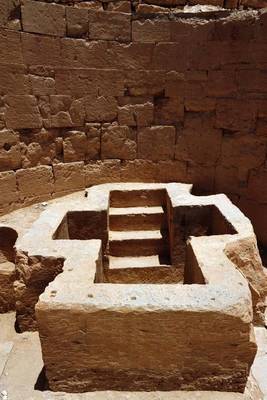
column 137, row 218
column 137, row 243
column 138, row 270
column 137, row 262
column 137, row 197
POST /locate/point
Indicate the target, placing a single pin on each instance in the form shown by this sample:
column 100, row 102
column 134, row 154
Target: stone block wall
column 94, row 92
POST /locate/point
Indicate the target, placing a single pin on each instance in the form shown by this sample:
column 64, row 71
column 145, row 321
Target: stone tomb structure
column 150, row 289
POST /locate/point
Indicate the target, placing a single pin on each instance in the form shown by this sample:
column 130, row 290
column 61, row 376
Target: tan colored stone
column 74, row 146
column 42, row 86
column 139, row 171
column 43, row 18
column 22, row 112
column 34, row 183
column 151, row 31
column 120, row 6
column 102, row 172
column 198, row 141
column 10, row 47
column 14, row 80
column 41, row 50
column 245, row 255
column 77, row 21
column 8, row 192
column 109, row 26
column 100, row 109
column 69, row 177
column 136, row 114
column 118, row 142
column 10, row 152
column 156, row 143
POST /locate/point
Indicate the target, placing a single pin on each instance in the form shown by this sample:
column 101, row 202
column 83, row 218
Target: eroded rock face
column 8, row 238
column 33, row 274
column 245, row 256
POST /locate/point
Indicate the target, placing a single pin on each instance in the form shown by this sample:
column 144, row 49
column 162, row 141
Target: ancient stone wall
column 95, row 92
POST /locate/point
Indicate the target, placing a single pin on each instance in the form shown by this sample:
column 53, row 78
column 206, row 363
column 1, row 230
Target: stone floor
column 21, row 364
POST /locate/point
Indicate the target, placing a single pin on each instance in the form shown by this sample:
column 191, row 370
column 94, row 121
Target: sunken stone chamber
column 147, row 295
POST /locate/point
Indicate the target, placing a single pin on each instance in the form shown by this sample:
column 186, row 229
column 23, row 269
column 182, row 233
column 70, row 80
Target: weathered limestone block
column 58, row 112
column 119, row 6
column 22, row 112
column 243, row 151
column 139, row 171
column 131, row 56
column 93, row 133
column 77, row 112
column 192, row 140
column 143, row 8
column 74, row 146
column 80, row 53
column 77, row 21
column 14, row 80
column 100, row 109
column 118, row 142
column 41, row 150
column 245, row 256
column 109, row 26
column 100, row 375
column 75, row 82
column 151, row 31
column 10, row 47
column 35, row 183
column 43, row 18
column 102, row 172
column 136, row 114
column 90, row 5
column 81, row 146
column 169, row 110
column 42, row 86
column 33, row 275
column 170, row 57
column 41, row 50
column 156, row 143
column 10, row 150
column 69, row 177
column 145, row 84
column 236, row 115
column 8, row 193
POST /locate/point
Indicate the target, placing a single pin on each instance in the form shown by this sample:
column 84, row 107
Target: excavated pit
column 139, row 259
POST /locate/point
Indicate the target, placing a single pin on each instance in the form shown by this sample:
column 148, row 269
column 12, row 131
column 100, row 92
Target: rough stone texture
column 105, row 307
column 16, row 349
column 245, row 255
column 46, row 19
column 35, row 180
column 140, row 65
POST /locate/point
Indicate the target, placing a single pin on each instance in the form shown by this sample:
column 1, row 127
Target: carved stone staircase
column 138, row 245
